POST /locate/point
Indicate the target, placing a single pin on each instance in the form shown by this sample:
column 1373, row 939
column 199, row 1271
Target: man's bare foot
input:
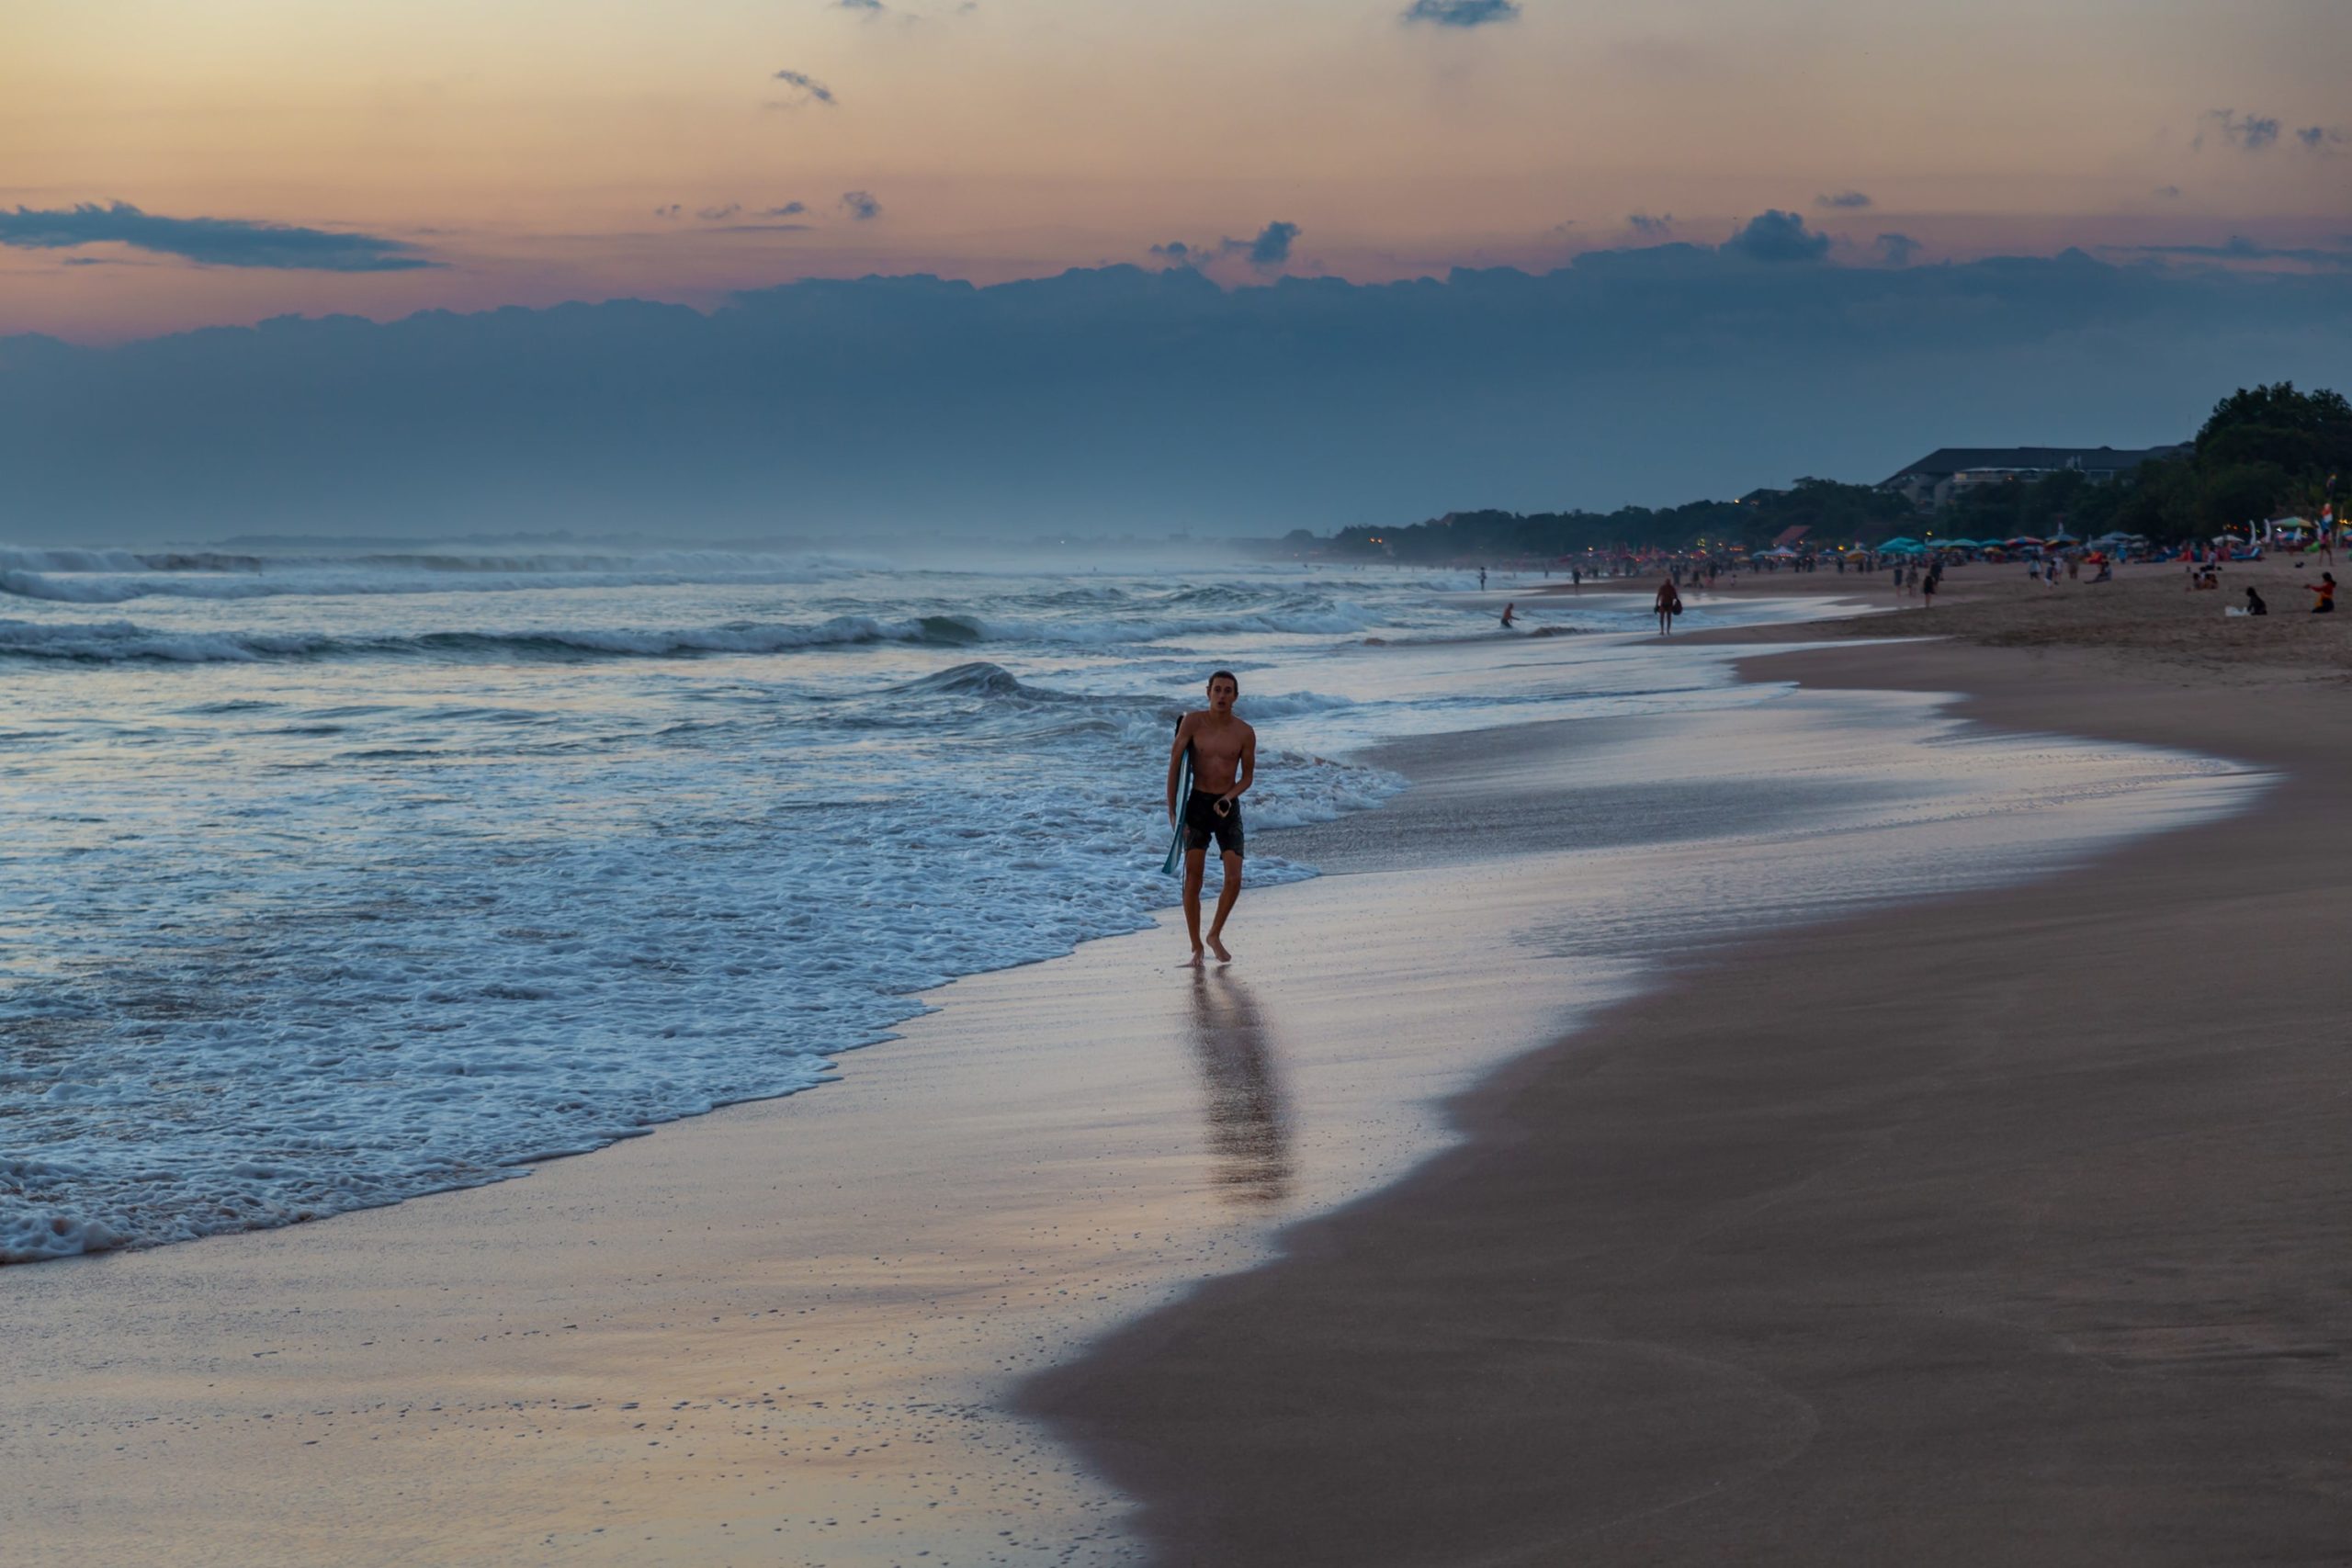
column 1217, row 947
column 1192, row 963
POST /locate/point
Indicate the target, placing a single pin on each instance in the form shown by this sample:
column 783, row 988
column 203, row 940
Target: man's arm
column 1248, row 763
column 1176, row 760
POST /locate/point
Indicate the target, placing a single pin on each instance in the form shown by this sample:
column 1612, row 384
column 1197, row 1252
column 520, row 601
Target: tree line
column 2264, row 451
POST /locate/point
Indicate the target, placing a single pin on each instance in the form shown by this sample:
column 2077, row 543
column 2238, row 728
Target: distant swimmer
column 1507, row 610
column 1225, row 761
column 1669, row 604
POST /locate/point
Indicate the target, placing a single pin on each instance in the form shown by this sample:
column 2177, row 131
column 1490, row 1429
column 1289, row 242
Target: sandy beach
column 1992, row 1227
column 1995, row 1229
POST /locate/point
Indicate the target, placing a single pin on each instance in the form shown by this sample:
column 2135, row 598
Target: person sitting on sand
column 1669, row 605
column 2254, row 604
column 2324, row 591
column 1224, row 763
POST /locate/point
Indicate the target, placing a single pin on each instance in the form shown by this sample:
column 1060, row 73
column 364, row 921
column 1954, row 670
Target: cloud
column 1776, row 236
column 867, row 7
column 1271, row 247
column 1461, row 13
column 1651, row 227
column 1270, row 252
column 2254, row 133
column 2238, row 247
column 207, row 242
column 670, row 212
column 861, row 206
column 2259, row 133
column 719, row 214
column 1122, row 399
column 806, row 89
column 2170, row 193
column 1896, row 250
column 789, row 209
column 1850, row 201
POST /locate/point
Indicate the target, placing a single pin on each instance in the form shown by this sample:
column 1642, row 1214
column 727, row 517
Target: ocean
column 337, row 880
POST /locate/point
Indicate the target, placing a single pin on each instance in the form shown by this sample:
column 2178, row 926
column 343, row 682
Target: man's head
column 1223, row 689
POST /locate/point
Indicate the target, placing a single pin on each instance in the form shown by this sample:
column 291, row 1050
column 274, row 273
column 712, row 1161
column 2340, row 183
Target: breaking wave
column 115, row 641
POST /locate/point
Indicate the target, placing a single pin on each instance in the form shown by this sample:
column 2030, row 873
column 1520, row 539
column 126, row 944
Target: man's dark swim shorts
column 1202, row 823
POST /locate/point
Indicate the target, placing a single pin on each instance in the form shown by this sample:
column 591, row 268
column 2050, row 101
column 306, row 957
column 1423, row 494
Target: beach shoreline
column 1991, row 1228
column 665, row 1346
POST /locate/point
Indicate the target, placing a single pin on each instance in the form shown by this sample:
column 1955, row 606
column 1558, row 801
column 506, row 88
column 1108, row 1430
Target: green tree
column 2298, row 433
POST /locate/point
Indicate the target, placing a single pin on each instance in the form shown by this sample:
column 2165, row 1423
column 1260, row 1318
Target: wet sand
column 787, row 1332
column 783, row 1333
column 2006, row 1228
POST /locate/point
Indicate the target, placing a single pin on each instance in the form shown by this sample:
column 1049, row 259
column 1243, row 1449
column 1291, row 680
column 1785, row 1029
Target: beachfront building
column 1939, row 477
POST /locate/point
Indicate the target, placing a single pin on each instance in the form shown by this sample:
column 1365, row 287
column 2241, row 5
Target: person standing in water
column 1508, row 611
column 1224, row 763
column 1669, row 604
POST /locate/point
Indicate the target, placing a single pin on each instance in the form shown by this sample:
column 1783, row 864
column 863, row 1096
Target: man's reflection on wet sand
column 1249, row 1127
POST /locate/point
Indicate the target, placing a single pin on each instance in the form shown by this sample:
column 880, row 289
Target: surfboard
column 1175, row 862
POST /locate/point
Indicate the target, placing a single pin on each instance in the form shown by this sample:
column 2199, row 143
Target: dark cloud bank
column 207, row 242
column 1122, row 398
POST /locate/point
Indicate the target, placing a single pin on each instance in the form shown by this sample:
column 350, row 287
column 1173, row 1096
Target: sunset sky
column 500, row 151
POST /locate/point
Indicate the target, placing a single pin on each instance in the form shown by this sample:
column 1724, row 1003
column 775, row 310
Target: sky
column 172, row 166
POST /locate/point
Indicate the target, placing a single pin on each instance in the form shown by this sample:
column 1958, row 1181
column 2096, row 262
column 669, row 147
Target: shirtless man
column 1668, row 604
column 1225, row 760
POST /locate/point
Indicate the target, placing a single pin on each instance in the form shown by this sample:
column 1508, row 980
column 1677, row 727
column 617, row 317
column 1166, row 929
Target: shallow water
column 805, row 1319
column 336, row 881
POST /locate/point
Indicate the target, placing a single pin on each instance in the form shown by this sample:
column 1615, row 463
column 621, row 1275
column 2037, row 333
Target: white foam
column 429, row 960
column 368, row 901
column 120, row 641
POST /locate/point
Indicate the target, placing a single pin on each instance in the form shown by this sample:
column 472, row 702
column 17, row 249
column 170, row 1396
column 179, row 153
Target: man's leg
column 1226, row 895
column 1195, row 866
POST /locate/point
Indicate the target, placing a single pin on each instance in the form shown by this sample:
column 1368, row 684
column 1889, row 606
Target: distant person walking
column 1928, row 588
column 1669, row 604
column 1224, row 763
